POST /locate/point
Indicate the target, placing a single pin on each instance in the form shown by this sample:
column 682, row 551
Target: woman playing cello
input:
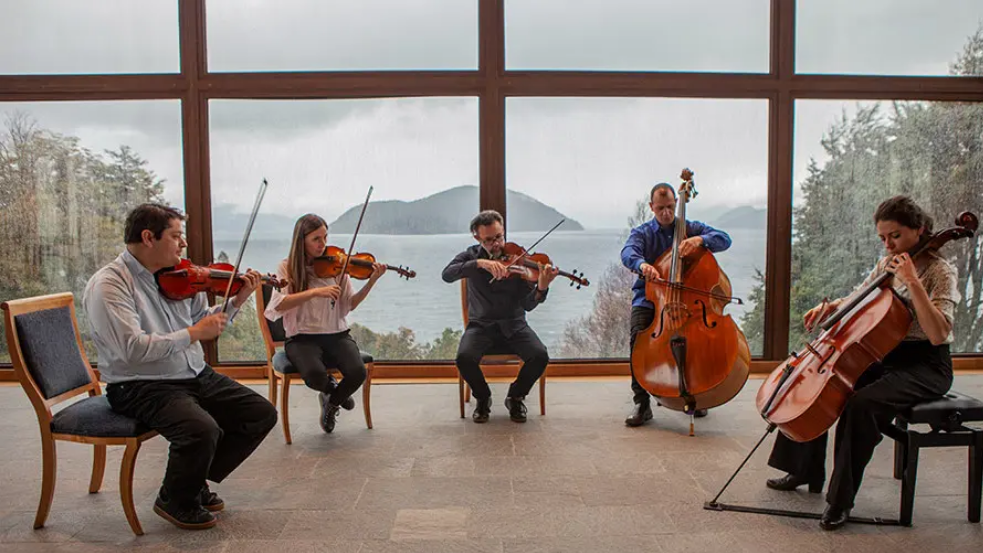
column 313, row 310
column 917, row 370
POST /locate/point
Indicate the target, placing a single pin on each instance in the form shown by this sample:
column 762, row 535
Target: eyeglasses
column 492, row 240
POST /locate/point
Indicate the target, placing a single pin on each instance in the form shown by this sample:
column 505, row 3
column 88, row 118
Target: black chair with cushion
column 945, row 417
column 46, row 349
column 278, row 367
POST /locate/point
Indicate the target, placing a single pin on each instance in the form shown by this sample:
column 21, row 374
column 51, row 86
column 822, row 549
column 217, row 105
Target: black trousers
column 641, row 318
column 212, row 422
column 312, row 354
column 913, row 372
column 479, row 340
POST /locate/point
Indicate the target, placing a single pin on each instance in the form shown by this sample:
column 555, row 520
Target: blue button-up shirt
column 650, row 240
column 140, row 334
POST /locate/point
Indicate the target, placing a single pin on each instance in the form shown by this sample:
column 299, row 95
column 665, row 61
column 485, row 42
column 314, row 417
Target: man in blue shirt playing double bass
column 645, row 244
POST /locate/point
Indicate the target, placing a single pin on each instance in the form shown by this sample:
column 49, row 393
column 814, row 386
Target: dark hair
column 904, row 211
column 661, row 186
column 153, row 217
column 297, row 260
column 485, row 218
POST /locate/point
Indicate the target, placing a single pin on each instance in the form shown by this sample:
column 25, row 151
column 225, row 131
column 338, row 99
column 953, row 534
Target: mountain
column 228, row 224
column 448, row 212
column 744, row 217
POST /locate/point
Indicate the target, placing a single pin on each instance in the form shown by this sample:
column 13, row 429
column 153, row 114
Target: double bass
column 804, row 396
column 692, row 356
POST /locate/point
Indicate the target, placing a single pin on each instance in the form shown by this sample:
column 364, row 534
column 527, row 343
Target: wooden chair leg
column 542, row 395
column 49, row 472
column 98, row 468
column 126, row 484
column 285, row 409
column 460, row 393
column 367, row 395
column 272, row 383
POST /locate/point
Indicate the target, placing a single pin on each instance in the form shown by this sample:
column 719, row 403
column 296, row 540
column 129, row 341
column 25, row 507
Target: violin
column 804, row 396
column 330, row 264
column 526, row 266
column 692, row 356
column 185, row 280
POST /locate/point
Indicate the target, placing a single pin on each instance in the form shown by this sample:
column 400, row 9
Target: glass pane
column 849, row 157
column 594, row 161
column 104, row 36
column 69, row 173
column 309, row 35
column 887, row 37
column 628, row 35
column 321, row 156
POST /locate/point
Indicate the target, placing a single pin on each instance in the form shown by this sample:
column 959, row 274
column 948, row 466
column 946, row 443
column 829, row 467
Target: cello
column 807, row 393
column 692, row 356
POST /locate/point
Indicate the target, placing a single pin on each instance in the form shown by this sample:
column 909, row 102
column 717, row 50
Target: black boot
column 482, row 410
column 834, row 518
column 210, row 500
column 640, row 414
column 789, row 482
column 517, row 409
column 188, row 517
column 329, row 413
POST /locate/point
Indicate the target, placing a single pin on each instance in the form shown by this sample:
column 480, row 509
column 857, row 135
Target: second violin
column 526, row 265
column 330, row 263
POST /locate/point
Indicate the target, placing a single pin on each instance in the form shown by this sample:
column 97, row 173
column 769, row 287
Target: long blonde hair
column 297, row 261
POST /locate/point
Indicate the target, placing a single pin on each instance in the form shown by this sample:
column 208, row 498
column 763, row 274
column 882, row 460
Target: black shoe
column 789, row 482
column 348, row 404
column 481, row 411
column 834, row 518
column 517, row 409
column 329, row 413
column 640, row 414
column 210, row 500
column 191, row 518
column 700, row 413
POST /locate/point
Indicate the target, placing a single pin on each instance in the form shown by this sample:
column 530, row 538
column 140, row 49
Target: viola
column 526, row 266
column 185, row 280
column 330, row 264
column 804, row 396
column 692, row 356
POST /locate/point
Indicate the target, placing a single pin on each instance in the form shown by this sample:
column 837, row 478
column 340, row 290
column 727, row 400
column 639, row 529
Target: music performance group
column 148, row 325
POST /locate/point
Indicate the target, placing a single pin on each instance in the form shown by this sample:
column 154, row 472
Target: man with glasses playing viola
column 497, row 308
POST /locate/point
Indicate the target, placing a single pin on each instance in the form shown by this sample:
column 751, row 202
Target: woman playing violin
column 919, row 369
column 314, row 310
column 497, row 305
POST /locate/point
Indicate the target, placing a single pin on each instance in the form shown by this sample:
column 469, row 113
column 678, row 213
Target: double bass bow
column 692, row 356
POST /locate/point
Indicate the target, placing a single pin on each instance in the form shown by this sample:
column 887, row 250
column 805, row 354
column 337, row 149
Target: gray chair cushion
column 953, row 407
column 283, row 365
column 94, row 417
column 51, row 350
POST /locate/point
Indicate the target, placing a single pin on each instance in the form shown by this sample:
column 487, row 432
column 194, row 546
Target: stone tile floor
column 425, row 480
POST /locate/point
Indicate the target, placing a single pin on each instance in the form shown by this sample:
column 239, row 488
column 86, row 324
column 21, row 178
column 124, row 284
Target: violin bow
column 354, row 235
column 525, row 251
column 245, row 240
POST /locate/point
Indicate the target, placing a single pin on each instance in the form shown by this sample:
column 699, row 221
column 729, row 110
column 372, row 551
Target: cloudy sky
column 322, row 155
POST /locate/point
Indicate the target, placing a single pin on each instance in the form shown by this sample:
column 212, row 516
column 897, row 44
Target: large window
column 594, row 162
column 628, row 35
column 69, row 173
column 88, row 36
column 301, row 35
column 883, row 37
column 850, row 156
column 321, row 156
